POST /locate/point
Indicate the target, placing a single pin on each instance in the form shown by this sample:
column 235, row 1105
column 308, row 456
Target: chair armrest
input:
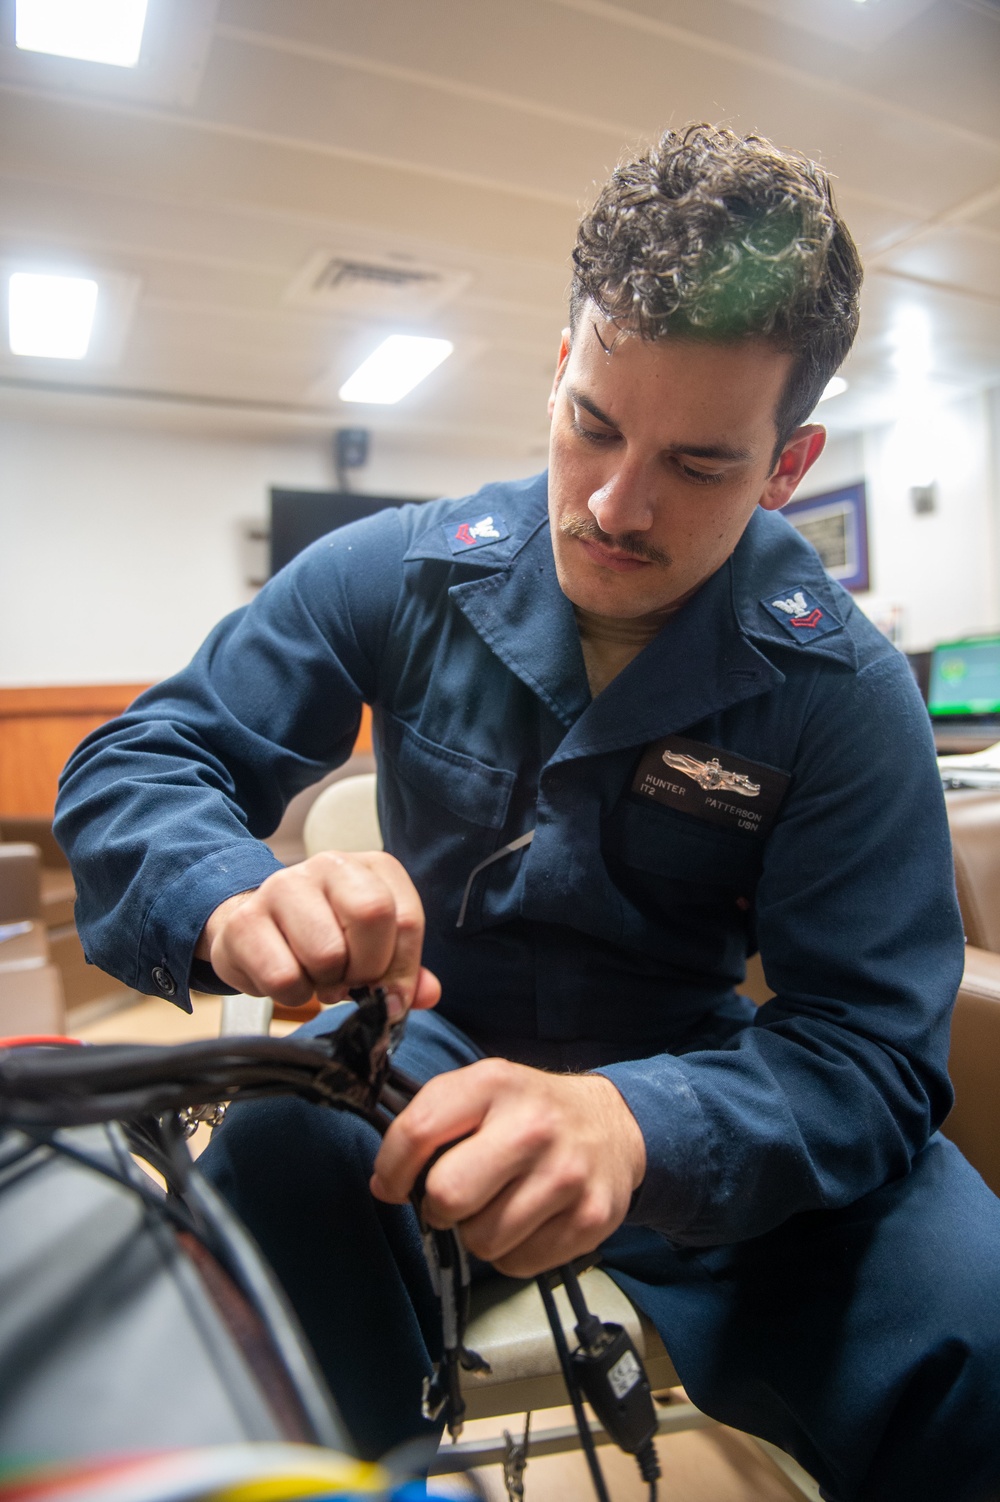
column 974, row 1065
column 20, row 882
column 981, row 977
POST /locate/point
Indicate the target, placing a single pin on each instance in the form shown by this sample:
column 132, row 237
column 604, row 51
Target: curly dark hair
column 713, row 235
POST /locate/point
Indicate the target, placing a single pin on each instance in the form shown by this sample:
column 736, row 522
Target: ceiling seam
column 246, row 405
column 244, row 210
column 474, row 92
column 957, row 214
column 295, row 143
column 164, row 117
column 358, row 63
column 968, row 293
column 328, row 319
column 635, row 21
column 130, row 250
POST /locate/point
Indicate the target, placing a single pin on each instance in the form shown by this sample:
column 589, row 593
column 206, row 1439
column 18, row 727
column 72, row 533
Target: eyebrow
column 721, row 451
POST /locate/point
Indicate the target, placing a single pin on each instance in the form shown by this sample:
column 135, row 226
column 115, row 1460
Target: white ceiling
column 466, row 135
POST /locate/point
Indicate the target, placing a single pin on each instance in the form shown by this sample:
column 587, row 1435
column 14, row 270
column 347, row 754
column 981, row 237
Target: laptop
column 963, row 691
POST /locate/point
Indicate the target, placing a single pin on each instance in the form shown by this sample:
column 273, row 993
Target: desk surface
column 976, row 738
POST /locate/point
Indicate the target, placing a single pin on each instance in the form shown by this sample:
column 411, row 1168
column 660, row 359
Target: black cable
column 589, row 1328
column 627, row 1415
column 36, row 1098
column 143, row 1088
column 162, row 1204
column 649, row 1468
column 572, row 1387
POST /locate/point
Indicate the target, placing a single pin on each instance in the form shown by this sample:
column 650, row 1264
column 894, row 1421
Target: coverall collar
column 715, row 652
column 509, row 593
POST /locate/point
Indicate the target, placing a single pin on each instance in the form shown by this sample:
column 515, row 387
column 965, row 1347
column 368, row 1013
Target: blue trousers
column 863, row 1341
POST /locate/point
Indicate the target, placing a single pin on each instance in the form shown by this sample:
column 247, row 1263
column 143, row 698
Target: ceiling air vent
column 394, row 285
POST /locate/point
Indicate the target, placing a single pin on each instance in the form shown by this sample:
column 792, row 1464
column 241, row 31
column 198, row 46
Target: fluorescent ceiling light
column 835, row 386
column 400, row 363
column 51, row 316
column 97, row 31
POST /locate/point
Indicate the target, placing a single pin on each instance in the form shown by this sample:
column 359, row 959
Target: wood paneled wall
column 39, row 727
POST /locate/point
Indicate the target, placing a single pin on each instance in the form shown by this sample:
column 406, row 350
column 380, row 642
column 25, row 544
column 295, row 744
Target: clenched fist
column 545, row 1171
column 332, row 922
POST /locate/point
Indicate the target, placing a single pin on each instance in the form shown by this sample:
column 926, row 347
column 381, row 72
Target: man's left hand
column 545, row 1171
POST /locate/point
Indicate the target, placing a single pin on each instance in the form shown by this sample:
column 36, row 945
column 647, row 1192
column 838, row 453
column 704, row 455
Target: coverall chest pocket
column 442, row 811
column 674, row 853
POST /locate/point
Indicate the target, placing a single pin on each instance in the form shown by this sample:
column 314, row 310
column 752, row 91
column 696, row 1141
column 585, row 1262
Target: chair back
column 344, row 817
column 974, row 1123
column 974, row 820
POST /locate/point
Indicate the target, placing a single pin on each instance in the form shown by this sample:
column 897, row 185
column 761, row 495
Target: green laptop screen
column 965, row 678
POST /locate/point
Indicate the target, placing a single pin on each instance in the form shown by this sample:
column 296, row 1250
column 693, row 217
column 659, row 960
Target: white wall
column 121, row 545
column 121, row 537
column 942, row 568
column 120, row 549
column 842, row 462
column 940, row 572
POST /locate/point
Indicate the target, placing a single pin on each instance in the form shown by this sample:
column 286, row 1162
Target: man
column 627, row 731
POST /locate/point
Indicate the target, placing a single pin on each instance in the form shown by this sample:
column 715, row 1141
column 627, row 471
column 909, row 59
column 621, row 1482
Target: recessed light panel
column 51, row 316
column 400, row 363
column 96, row 31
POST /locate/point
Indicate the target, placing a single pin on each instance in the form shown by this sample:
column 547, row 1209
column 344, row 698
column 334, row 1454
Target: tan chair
column 974, row 1065
column 974, row 1061
column 974, row 1123
column 974, row 821
column 344, row 817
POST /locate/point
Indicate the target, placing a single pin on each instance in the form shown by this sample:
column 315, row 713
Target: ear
column 560, row 370
column 797, row 457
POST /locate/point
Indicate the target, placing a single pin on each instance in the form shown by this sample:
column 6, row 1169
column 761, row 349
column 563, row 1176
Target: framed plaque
column 836, row 524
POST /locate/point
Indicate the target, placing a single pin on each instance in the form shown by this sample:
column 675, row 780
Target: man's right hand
column 332, row 922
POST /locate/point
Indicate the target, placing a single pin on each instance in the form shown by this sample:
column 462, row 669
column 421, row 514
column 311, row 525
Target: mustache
column 585, row 529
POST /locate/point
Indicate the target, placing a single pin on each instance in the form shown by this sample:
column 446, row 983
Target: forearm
column 793, row 1118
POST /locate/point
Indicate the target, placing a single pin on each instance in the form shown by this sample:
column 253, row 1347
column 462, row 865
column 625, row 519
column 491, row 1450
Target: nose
column 623, row 503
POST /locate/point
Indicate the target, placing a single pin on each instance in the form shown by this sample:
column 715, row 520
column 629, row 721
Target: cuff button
column 164, row 981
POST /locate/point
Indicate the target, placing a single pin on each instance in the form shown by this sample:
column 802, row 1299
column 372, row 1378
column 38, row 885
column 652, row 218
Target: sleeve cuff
column 166, row 964
column 660, row 1097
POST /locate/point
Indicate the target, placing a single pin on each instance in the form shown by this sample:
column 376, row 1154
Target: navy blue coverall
column 824, row 1268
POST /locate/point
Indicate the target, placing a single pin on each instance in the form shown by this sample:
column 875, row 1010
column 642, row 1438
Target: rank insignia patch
column 798, row 612
column 462, row 536
column 711, row 784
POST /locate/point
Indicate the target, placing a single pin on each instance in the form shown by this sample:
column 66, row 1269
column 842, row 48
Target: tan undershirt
column 609, row 644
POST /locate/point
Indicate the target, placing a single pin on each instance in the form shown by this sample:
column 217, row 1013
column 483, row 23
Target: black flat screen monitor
column 965, row 679
column 299, row 517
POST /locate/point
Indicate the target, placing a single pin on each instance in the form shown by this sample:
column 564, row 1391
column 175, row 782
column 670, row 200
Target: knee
column 286, row 1150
